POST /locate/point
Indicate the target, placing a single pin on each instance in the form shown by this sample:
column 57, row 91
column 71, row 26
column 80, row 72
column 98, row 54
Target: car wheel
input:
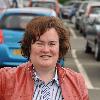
column 97, row 52
column 88, row 49
column 80, row 30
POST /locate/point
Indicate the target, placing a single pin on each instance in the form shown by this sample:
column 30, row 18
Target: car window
column 95, row 10
column 71, row 3
column 44, row 4
column 77, row 5
column 84, row 6
column 15, row 21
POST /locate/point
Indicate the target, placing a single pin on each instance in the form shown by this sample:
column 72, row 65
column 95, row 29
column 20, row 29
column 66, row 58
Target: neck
column 45, row 74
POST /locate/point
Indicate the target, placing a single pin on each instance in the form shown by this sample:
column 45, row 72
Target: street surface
column 84, row 63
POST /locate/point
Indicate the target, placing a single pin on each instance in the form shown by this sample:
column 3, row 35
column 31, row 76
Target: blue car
column 12, row 27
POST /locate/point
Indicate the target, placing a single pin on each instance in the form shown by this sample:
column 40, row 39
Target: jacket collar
column 60, row 71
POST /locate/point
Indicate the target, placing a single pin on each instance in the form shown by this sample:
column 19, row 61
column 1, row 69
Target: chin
column 48, row 64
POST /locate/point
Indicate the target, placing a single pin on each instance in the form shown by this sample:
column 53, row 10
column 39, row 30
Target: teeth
column 45, row 56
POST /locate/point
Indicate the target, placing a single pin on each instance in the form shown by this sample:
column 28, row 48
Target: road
column 84, row 63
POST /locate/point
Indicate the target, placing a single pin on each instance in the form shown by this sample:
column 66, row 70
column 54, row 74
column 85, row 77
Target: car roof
column 44, row 0
column 87, row 4
column 84, row 3
column 36, row 10
column 96, row 3
column 72, row 1
column 92, row 4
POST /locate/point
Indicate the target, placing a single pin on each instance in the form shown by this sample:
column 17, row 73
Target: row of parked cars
column 12, row 27
column 86, row 16
column 87, row 21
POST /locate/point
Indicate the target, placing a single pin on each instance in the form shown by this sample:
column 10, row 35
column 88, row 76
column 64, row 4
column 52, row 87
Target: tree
column 63, row 1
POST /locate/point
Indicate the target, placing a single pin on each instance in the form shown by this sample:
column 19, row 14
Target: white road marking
column 79, row 65
column 82, row 70
column 73, row 33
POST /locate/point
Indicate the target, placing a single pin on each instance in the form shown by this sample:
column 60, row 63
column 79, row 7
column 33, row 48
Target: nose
column 45, row 48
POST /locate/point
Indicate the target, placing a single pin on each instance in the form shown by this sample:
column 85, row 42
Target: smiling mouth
column 45, row 56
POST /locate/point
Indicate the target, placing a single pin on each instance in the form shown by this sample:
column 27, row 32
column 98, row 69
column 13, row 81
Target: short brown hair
column 38, row 26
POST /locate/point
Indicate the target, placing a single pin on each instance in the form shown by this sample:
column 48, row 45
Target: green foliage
column 63, row 1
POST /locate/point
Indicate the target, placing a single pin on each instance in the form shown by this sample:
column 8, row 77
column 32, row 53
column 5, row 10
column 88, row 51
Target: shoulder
column 69, row 73
column 23, row 68
column 69, row 78
column 78, row 80
column 72, row 77
column 9, row 71
column 73, row 74
column 7, row 78
column 11, row 75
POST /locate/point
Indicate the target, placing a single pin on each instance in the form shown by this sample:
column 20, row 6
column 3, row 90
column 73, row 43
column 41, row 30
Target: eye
column 39, row 43
column 52, row 44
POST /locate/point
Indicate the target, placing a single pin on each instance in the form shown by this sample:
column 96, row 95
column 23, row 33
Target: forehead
column 50, row 34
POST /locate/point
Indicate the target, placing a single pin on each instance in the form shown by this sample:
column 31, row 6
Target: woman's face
column 45, row 51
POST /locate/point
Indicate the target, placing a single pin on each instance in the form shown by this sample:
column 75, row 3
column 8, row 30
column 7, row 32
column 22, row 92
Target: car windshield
column 44, row 4
column 15, row 22
column 70, row 3
column 95, row 10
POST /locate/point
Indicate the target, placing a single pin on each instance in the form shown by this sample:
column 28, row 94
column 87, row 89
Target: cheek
column 33, row 51
column 56, row 51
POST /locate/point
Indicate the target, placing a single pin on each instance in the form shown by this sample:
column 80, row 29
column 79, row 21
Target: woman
column 45, row 41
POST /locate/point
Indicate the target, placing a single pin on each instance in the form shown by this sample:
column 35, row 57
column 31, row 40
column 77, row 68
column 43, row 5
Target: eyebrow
column 44, row 41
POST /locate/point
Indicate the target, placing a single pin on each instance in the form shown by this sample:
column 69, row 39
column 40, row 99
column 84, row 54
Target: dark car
column 93, row 38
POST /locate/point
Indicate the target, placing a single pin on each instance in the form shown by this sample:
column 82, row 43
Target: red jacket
column 17, row 83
